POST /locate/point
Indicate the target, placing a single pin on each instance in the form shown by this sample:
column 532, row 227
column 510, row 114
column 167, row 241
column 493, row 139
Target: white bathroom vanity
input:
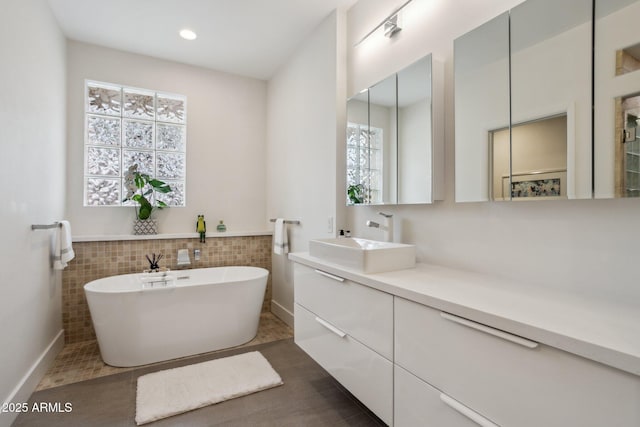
column 434, row 346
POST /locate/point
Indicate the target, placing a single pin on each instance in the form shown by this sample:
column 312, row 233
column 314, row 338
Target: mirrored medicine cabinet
column 526, row 83
column 616, row 99
column 395, row 138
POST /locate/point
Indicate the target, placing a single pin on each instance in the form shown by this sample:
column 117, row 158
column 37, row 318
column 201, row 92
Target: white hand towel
column 280, row 241
column 63, row 251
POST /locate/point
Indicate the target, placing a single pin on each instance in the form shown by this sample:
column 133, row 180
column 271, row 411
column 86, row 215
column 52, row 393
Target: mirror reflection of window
column 537, row 166
column 364, row 164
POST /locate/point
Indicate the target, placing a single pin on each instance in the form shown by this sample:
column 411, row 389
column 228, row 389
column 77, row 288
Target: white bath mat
column 174, row 391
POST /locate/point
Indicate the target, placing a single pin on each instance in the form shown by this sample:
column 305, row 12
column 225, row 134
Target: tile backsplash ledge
column 125, row 237
column 98, row 259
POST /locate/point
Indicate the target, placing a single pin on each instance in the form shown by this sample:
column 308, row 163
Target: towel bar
column 45, row 227
column 287, row 221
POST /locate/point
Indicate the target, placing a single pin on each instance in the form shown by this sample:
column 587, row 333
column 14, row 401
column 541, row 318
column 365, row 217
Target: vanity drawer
column 366, row 374
column 506, row 381
column 419, row 404
column 363, row 312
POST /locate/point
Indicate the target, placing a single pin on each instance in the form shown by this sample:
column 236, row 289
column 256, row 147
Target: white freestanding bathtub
column 146, row 318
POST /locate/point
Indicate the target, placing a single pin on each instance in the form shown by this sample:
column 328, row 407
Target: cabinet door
column 366, row 374
column 497, row 375
column 418, row 404
column 481, row 103
column 363, row 312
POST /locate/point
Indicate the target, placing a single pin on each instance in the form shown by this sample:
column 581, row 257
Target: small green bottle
column 221, row 227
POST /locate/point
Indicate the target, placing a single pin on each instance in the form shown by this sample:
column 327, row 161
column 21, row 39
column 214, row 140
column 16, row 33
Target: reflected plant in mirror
column 356, row 193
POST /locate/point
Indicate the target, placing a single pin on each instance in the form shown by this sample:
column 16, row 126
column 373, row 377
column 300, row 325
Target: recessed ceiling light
column 188, row 34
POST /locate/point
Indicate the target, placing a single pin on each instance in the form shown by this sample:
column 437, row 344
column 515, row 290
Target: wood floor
column 309, row 397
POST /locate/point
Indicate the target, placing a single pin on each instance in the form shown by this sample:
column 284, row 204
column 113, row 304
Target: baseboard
column 31, row 379
column 282, row 313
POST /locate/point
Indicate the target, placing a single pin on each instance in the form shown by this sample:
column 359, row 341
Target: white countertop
column 602, row 331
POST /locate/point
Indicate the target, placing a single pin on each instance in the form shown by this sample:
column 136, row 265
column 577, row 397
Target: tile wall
column 95, row 260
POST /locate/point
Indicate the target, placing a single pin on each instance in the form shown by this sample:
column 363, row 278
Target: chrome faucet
column 387, row 227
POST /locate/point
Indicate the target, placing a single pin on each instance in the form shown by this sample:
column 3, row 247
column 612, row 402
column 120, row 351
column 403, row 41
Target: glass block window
column 364, row 160
column 126, row 126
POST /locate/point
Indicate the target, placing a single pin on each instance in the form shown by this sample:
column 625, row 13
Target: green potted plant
column 356, row 193
column 141, row 189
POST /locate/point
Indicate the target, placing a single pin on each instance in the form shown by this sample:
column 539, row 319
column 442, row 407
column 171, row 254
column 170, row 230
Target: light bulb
column 188, row 34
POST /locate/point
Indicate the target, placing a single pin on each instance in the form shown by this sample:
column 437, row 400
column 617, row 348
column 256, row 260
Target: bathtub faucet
column 153, row 262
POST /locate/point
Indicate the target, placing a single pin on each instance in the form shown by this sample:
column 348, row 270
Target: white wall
column 305, row 131
column 32, row 164
column 226, row 126
column 582, row 246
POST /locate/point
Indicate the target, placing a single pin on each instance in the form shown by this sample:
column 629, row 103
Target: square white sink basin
column 367, row 256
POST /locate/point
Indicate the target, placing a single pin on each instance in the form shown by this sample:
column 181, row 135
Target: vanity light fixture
column 187, row 34
column 391, row 24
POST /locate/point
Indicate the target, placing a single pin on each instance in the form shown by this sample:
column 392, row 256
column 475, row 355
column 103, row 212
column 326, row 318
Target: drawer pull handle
column 330, row 327
column 467, row 412
column 491, row 331
column 330, row 276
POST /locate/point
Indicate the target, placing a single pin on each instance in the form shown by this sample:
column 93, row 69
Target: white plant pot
column 145, row 226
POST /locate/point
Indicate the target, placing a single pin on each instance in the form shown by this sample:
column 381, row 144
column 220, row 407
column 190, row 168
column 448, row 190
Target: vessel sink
column 366, row 256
